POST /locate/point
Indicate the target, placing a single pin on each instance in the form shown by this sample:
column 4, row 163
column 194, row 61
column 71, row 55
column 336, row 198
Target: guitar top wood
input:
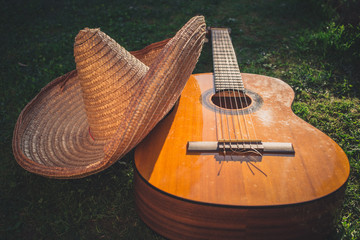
column 232, row 161
column 318, row 168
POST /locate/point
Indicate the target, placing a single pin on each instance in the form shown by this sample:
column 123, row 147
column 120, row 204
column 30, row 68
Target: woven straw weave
column 84, row 121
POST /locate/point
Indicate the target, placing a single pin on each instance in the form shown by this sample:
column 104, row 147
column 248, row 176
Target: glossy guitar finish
column 186, row 195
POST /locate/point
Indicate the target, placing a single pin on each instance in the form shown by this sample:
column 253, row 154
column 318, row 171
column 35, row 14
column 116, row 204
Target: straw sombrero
column 85, row 120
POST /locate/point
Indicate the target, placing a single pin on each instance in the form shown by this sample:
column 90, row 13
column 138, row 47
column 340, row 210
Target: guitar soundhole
column 230, row 99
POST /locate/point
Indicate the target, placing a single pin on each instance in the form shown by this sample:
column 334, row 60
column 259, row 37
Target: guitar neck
column 227, row 74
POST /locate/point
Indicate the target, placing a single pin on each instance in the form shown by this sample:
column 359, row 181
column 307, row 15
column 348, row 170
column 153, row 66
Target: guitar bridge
column 241, row 146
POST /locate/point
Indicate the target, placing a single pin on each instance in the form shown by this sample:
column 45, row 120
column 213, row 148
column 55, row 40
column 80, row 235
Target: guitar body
column 202, row 195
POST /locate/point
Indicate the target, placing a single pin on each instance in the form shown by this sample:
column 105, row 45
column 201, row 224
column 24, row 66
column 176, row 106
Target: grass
column 312, row 45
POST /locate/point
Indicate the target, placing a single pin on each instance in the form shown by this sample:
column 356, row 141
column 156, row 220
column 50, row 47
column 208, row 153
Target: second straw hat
column 84, row 121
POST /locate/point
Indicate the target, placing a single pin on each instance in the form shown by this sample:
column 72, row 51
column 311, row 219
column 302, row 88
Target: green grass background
column 312, row 45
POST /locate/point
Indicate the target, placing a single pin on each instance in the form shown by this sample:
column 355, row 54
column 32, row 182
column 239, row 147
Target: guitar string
column 222, row 72
column 229, row 81
column 224, row 66
column 216, row 72
column 234, row 73
column 246, row 105
column 230, row 47
column 236, row 88
column 240, row 93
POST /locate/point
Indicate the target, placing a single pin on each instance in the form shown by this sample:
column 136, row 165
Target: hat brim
column 61, row 147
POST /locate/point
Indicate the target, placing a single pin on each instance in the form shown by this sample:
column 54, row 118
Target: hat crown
column 107, row 74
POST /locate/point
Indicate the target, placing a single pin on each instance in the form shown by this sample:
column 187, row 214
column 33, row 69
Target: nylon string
column 228, row 77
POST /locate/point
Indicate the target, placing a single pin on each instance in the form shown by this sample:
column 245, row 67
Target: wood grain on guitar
column 257, row 171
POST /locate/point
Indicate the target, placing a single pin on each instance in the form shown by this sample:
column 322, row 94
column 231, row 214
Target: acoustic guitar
column 232, row 161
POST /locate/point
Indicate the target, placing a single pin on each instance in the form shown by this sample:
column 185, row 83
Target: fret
column 227, row 78
column 228, row 85
column 222, row 62
column 226, row 69
column 238, row 81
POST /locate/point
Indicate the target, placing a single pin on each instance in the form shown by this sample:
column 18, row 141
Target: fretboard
column 226, row 69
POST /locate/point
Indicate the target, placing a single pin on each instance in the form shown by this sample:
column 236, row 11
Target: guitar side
column 275, row 193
